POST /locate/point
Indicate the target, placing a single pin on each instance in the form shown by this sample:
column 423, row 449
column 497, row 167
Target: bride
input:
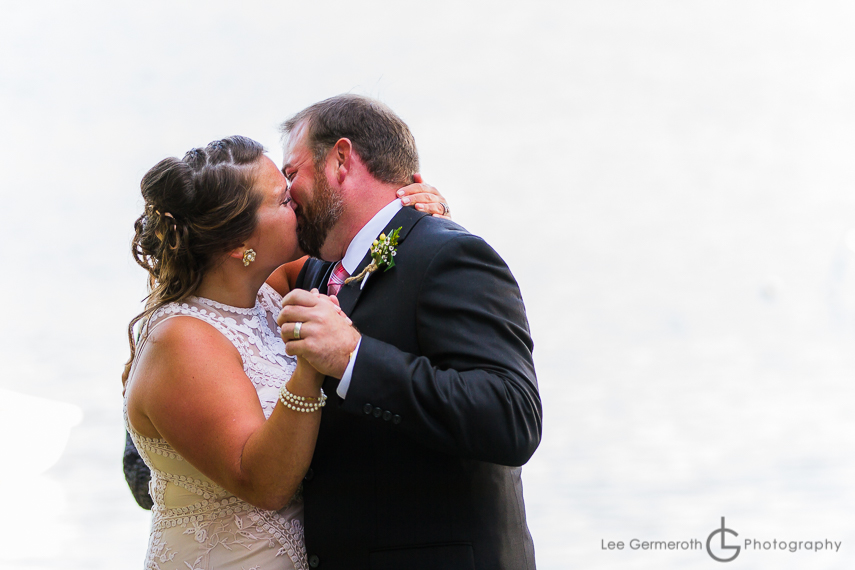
column 222, row 416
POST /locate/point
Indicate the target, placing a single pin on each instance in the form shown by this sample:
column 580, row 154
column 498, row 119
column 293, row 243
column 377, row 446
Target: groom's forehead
column 296, row 138
column 295, row 147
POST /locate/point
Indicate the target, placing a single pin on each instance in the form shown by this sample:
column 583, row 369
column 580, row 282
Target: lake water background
column 672, row 184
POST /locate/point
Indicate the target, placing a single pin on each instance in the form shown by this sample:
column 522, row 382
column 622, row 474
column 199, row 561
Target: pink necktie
column 337, row 278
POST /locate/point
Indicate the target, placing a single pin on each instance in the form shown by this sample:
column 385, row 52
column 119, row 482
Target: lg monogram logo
column 722, row 547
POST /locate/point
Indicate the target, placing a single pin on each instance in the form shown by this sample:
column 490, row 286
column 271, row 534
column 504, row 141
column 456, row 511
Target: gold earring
column 248, row 256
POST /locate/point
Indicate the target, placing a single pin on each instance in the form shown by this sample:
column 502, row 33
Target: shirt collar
column 362, row 241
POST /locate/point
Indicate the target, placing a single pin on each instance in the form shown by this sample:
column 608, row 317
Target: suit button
column 309, row 475
column 377, row 412
column 314, row 561
column 396, row 419
column 367, row 408
column 387, row 415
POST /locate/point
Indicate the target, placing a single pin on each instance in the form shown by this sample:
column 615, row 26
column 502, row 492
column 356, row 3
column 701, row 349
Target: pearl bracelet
column 301, row 403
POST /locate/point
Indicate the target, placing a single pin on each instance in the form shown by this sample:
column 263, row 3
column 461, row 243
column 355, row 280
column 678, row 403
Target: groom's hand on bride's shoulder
column 325, row 336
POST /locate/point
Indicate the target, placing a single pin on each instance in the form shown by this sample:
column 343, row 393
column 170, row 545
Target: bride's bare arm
column 283, row 278
column 190, row 389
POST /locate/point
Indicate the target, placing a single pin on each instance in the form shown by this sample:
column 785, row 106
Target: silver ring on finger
column 297, row 327
column 445, row 208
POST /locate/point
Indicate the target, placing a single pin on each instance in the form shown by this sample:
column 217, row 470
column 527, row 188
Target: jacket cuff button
column 377, row 412
column 367, row 408
column 387, row 415
column 396, row 419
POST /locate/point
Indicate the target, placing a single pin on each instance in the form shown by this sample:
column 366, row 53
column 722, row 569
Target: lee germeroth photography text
column 725, row 544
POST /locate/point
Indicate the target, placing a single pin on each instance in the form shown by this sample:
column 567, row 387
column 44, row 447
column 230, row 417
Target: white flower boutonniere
column 382, row 255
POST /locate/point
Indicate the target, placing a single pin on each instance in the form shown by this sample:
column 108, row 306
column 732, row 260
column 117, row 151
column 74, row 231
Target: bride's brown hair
column 196, row 209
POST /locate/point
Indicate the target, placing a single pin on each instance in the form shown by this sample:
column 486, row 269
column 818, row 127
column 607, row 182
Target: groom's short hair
column 381, row 139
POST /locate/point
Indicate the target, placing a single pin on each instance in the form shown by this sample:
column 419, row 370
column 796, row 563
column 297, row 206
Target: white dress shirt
column 359, row 245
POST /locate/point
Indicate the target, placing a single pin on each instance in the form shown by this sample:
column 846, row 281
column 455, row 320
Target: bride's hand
column 425, row 198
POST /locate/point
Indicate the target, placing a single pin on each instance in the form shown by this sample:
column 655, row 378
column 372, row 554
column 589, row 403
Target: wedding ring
column 297, row 327
column 445, row 208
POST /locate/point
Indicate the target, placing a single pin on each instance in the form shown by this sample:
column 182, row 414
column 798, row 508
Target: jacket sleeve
column 472, row 391
column 137, row 474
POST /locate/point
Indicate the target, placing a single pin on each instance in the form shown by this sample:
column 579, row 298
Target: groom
column 433, row 401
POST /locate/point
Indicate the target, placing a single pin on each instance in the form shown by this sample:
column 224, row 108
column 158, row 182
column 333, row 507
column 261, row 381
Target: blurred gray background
column 671, row 182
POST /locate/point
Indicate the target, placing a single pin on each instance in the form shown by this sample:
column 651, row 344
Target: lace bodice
column 196, row 524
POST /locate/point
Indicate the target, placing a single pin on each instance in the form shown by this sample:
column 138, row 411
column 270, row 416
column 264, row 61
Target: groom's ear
column 342, row 155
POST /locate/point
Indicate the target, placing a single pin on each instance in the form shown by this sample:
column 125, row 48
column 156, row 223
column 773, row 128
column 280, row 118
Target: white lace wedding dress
column 196, row 524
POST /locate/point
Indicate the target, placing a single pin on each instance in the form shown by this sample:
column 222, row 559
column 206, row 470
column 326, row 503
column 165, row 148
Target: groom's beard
column 316, row 218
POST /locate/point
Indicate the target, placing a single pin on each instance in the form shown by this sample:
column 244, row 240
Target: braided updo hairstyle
column 196, row 209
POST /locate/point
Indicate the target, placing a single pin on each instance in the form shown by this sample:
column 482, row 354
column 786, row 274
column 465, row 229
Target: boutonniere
column 383, row 252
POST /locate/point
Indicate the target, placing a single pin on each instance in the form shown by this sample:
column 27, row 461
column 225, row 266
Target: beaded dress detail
column 196, row 524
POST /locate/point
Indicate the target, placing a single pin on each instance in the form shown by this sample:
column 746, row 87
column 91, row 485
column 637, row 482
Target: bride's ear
column 238, row 252
column 243, row 253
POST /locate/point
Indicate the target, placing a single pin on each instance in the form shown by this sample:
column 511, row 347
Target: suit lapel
column 325, row 279
column 349, row 294
column 315, row 274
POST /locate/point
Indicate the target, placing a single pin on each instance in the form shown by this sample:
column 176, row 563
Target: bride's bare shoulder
column 185, row 347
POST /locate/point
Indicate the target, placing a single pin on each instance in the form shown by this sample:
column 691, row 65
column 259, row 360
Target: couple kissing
column 366, row 407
